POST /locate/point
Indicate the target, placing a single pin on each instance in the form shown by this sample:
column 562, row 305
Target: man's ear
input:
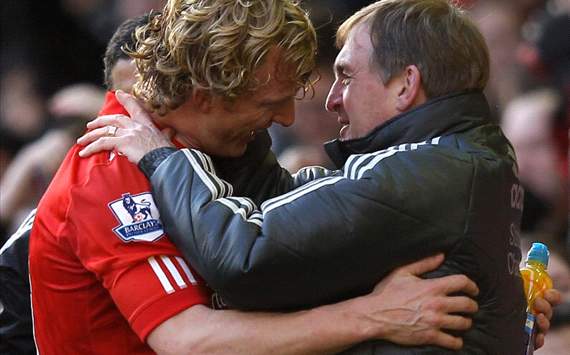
column 411, row 92
column 202, row 100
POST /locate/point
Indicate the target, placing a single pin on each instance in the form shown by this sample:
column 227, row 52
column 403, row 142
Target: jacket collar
column 443, row 115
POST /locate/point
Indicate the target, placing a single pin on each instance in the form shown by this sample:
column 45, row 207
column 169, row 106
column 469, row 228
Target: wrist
column 352, row 321
column 368, row 319
column 151, row 160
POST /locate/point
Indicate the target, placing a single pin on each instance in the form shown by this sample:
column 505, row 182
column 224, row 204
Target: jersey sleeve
column 119, row 237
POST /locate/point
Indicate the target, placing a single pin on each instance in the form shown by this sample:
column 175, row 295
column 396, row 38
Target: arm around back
column 332, row 238
column 403, row 308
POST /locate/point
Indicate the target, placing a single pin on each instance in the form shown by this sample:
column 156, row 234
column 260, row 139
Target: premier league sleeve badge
column 138, row 218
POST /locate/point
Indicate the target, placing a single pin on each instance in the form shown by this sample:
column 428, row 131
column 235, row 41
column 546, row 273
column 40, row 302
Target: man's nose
column 334, row 99
column 285, row 116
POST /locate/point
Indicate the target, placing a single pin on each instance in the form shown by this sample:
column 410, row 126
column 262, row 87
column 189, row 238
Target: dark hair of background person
column 122, row 39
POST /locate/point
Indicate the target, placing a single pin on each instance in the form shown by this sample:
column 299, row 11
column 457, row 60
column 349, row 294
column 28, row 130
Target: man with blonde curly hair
column 105, row 279
column 217, row 71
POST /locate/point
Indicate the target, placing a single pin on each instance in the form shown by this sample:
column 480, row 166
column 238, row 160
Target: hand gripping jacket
column 441, row 177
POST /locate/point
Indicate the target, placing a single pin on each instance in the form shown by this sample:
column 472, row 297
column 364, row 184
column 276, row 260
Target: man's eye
column 345, row 81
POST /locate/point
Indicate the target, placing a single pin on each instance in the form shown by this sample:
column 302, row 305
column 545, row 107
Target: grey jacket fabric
column 441, row 177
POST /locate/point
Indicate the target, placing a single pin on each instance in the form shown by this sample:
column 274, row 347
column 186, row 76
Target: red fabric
column 102, row 277
column 111, row 106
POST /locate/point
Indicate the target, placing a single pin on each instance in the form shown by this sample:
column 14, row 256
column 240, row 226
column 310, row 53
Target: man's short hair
column 436, row 36
column 123, row 39
column 216, row 45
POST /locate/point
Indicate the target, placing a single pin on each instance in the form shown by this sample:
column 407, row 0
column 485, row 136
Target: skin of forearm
column 323, row 330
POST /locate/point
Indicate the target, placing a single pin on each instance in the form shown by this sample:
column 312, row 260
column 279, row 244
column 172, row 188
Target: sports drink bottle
column 536, row 281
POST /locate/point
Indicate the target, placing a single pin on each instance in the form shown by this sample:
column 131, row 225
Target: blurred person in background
column 50, row 59
column 537, row 122
column 529, row 122
column 499, row 22
column 77, row 103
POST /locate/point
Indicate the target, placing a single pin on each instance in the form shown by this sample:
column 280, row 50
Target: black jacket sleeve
column 256, row 175
column 16, row 333
column 332, row 238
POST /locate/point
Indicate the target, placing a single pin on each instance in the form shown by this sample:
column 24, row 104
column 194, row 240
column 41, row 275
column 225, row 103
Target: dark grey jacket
column 441, row 177
column 16, row 333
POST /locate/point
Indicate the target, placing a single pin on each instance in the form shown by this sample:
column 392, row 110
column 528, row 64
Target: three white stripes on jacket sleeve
column 221, row 191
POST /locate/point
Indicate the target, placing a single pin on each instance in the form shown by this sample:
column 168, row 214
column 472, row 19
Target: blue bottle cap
column 538, row 252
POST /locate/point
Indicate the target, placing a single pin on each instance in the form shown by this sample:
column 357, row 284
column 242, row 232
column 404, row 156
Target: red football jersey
column 103, row 273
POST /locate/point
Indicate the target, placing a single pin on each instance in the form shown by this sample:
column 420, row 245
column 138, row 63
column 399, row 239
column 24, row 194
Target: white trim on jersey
column 161, row 275
column 166, row 267
column 173, row 271
column 186, row 270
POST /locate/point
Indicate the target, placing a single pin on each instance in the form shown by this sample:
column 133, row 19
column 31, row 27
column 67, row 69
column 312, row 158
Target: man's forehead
column 275, row 90
column 357, row 42
column 275, row 80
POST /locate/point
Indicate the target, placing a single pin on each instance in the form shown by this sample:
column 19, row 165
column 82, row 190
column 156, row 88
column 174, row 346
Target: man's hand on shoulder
column 132, row 137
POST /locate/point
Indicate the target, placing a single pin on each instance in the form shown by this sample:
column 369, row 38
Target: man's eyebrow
column 341, row 67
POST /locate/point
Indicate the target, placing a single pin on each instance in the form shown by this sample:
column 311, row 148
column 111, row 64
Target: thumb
column 133, row 107
column 422, row 266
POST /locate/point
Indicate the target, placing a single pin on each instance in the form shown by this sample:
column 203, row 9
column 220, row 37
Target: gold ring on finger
column 112, row 131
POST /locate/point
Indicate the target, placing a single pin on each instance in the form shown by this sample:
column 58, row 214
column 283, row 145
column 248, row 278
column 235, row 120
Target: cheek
column 353, row 103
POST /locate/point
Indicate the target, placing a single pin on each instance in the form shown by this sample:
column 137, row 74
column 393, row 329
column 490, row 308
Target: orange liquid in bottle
column 536, row 281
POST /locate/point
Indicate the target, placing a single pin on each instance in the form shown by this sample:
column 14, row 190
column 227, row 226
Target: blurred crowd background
column 51, row 83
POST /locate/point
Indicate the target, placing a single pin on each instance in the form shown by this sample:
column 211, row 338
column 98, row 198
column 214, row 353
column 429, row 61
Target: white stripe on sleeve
column 173, row 271
column 186, row 269
column 202, row 174
column 275, row 202
column 160, row 274
column 239, row 210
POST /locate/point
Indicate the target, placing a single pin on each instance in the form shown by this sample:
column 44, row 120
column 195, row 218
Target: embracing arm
column 403, row 308
column 313, row 244
column 256, row 175
column 200, row 330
